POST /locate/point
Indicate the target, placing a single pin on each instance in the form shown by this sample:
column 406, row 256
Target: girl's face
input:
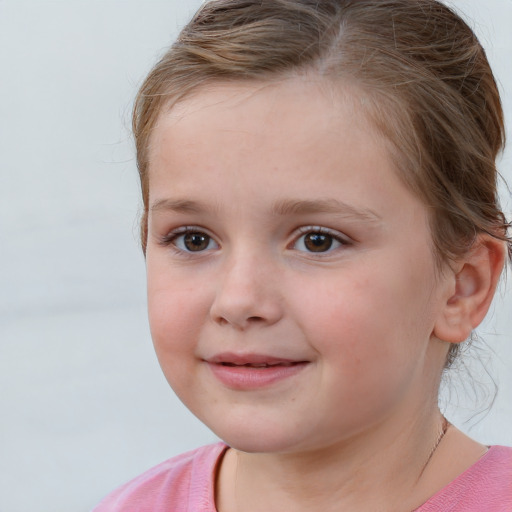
column 293, row 294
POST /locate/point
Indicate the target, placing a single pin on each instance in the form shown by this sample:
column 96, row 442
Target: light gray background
column 83, row 404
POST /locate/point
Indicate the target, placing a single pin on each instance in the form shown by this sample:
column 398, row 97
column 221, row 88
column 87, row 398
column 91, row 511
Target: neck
column 369, row 472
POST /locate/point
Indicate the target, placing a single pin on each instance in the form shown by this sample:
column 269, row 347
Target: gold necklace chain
column 444, row 428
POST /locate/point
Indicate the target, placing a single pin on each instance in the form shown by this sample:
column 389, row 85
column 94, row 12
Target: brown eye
column 195, row 242
column 318, row 242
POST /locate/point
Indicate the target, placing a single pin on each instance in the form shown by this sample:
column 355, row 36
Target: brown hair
column 421, row 75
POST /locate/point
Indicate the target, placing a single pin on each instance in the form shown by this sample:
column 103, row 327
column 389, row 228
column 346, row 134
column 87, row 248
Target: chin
column 259, row 440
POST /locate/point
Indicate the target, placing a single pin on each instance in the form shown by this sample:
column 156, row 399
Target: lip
column 253, row 371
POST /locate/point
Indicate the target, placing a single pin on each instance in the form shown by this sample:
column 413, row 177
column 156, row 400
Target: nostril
column 255, row 319
column 241, row 324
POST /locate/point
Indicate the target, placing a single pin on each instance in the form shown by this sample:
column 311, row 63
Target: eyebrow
column 329, row 205
column 282, row 207
column 178, row 205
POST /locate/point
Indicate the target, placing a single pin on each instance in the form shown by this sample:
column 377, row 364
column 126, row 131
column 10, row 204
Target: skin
column 255, row 169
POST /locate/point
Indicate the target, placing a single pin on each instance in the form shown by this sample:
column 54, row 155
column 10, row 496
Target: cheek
column 372, row 322
column 175, row 330
column 359, row 308
column 176, row 313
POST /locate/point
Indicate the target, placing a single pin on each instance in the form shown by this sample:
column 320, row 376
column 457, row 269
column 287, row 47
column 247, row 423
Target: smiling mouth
column 258, row 361
column 253, row 371
column 261, row 365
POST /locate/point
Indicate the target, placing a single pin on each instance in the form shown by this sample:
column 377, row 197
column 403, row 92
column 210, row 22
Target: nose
column 247, row 294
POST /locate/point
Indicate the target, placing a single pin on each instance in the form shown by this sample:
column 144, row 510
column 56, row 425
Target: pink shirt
column 186, row 484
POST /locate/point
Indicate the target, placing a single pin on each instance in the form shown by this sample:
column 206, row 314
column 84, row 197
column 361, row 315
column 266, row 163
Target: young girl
column 322, row 232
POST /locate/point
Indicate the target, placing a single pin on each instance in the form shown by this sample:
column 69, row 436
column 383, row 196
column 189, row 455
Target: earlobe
column 471, row 290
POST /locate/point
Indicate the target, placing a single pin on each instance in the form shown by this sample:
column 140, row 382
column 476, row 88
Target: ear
column 471, row 290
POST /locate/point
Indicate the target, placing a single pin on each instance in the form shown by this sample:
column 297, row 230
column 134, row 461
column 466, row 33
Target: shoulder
column 183, row 483
column 487, row 485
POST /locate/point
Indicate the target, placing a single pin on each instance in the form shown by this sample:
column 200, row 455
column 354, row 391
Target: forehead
column 306, row 108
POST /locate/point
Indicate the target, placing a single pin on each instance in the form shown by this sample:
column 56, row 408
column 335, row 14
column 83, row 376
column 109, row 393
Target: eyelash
column 335, row 236
column 170, row 239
